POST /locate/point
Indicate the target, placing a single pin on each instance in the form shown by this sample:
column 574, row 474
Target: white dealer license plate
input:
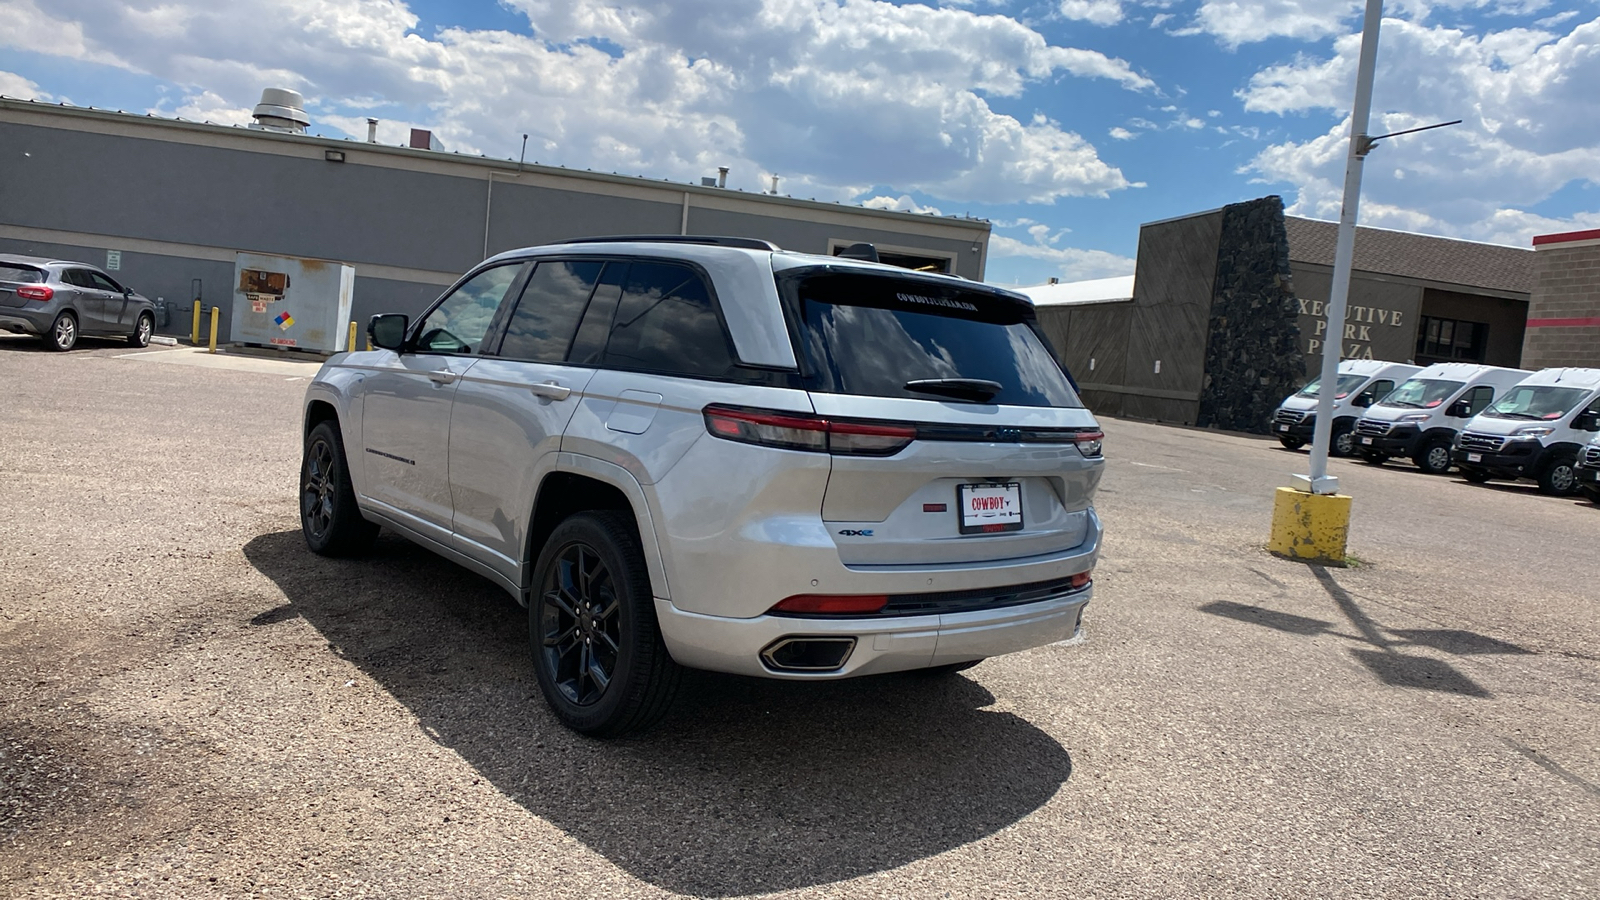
column 1474, row 457
column 1366, row 440
column 1283, row 428
column 988, row 508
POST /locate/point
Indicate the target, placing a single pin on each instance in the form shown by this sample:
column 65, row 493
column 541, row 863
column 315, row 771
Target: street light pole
column 1319, row 481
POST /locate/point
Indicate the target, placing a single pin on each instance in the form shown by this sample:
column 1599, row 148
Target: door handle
column 442, row 376
column 551, row 390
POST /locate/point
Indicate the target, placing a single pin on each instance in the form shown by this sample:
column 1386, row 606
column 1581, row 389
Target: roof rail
column 742, row 242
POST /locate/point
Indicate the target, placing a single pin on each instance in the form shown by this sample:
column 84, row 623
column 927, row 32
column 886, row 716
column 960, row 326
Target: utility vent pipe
column 372, row 131
column 722, row 176
column 774, row 185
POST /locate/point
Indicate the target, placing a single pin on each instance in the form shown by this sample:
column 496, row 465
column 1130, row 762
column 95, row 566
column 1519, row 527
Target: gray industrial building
column 1227, row 313
column 169, row 203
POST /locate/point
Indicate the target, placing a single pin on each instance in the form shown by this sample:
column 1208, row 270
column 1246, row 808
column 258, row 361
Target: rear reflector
column 35, row 291
column 1081, row 579
column 832, row 604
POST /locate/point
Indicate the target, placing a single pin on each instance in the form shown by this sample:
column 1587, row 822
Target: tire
column 1343, row 440
column 1592, row 493
column 329, row 517
column 1376, row 459
column 63, row 335
column 1475, row 476
column 1434, row 457
column 597, row 650
column 1291, row 443
column 1559, row 478
column 142, row 330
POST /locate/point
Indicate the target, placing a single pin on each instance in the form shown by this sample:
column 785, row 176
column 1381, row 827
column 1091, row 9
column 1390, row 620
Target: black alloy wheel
column 580, row 625
column 597, row 650
column 329, row 517
column 1560, row 477
column 1343, row 442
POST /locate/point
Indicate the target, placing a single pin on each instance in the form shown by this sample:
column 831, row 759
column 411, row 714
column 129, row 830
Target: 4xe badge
column 856, row 532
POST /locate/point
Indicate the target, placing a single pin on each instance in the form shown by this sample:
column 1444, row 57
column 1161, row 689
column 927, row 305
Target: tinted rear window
column 869, row 335
column 666, row 323
column 22, row 274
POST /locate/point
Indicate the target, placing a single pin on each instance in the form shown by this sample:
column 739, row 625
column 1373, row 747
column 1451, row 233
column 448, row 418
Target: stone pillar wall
column 1253, row 353
column 1564, row 312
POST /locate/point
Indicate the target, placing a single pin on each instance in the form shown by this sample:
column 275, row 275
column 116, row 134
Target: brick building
column 1564, row 312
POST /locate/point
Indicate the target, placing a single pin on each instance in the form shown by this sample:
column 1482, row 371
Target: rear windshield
column 23, row 274
column 1537, row 401
column 872, row 335
column 1421, row 393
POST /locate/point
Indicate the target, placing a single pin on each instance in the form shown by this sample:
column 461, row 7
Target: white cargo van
column 1588, row 470
column 1421, row 418
column 1536, row 430
column 1361, row 383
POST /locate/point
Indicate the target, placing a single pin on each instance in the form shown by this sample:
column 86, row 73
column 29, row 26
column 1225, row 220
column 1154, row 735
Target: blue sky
column 1067, row 123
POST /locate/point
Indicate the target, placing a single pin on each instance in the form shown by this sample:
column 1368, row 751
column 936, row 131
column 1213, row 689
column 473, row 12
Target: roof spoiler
column 863, row 251
column 741, row 242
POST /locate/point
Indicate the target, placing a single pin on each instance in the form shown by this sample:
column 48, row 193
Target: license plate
column 989, row 508
column 1283, row 428
column 1474, row 457
column 1366, row 441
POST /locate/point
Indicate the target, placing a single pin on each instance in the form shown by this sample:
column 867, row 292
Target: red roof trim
column 1592, row 234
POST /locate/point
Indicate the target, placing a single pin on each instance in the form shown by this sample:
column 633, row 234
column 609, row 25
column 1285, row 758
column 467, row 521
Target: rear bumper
column 24, row 321
column 1517, row 459
column 892, row 644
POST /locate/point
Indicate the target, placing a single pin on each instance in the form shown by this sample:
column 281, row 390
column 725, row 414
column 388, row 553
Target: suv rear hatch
column 957, row 436
column 15, row 275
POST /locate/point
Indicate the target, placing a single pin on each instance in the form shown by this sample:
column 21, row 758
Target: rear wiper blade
column 976, row 390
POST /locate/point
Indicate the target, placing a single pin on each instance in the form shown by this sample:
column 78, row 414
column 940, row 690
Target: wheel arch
column 583, row 483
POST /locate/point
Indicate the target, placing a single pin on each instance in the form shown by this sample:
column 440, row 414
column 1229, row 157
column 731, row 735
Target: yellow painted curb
column 1310, row 527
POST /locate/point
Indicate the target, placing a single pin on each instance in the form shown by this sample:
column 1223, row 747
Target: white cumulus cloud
column 1074, row 264
column 1095, row 12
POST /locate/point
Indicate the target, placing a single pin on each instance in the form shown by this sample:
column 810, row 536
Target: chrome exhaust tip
column 808, row 654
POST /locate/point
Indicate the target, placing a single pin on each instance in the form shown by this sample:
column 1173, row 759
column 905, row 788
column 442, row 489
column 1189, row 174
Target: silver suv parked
column 59, row 301
column 709, row 452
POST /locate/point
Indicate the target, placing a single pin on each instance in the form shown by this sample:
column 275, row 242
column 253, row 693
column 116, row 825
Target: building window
column 1448, row 340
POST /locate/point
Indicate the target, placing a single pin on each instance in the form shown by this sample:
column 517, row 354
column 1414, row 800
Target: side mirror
column 1589, row 421
column 1460, row 409
column 388, row 331
column 1363, row 399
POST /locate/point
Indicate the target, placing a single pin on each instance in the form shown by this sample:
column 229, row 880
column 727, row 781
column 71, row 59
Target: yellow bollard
column 194, row 333
column 350, row 345
column 1310, row 527
column 216, row 315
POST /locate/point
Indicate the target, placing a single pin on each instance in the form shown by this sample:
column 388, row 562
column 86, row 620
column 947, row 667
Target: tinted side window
column 76, row 278
column 547, row 316
column 1478, row 398
column 460, row 322
column 102, row 283
column 1380, row 389
column 666, row 323
column 590, row 344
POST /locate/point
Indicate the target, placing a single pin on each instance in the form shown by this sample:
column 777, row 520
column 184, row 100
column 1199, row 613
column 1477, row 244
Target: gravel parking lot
column 191, row 704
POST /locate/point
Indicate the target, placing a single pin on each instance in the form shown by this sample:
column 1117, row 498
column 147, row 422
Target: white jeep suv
column 709, row 452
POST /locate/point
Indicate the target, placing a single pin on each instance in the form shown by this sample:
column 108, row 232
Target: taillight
column 831, row 604
column 802, row 431
column 36, row 292
column 1081, row 579
column 1089, row 442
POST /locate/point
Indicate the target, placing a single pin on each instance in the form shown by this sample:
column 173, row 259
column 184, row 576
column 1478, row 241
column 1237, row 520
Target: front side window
column 1536, row 402
column 547, row 315
column 1422, row 393
column 885, row 336
column 102, row 283
column 459, row 324
column 1478, row 398
column 665, row 322
column 1342, row 386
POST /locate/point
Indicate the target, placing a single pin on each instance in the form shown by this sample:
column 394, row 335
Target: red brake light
column 36, row 291
column 832, row 604
column 802, row 431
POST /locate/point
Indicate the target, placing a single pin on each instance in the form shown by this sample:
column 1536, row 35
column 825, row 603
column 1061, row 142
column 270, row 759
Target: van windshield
column 1421, row 393
column 887, row 336
column 1342, row 386
column 1537, row 401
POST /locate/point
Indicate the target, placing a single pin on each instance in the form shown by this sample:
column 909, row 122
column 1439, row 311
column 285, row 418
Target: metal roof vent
column 281, row 110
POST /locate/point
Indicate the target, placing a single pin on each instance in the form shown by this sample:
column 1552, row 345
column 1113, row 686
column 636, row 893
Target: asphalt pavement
column 193, row 705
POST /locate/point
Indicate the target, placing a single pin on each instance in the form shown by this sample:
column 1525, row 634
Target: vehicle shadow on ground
column 749, row 786
column 1384, row 654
